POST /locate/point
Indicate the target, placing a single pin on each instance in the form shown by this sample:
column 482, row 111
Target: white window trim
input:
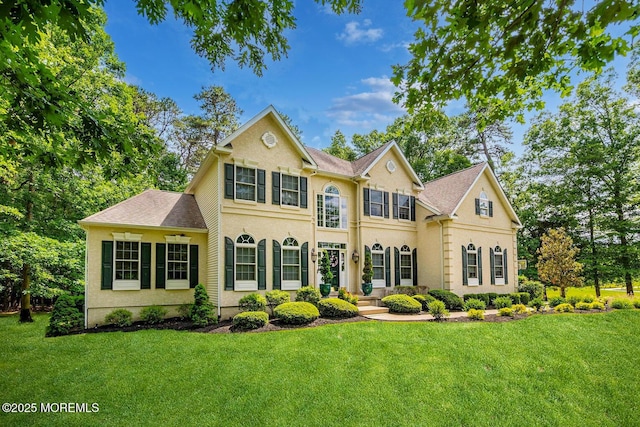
column 126, row 285
column 343, row 208
column 379, row 283
column 409, row 281
column 246, row 285
column 484, row 204
column 282, row 190
column 470, row 280
column 176, row 284
column 291, row 285
column 371, row 203
column 498, row 280
column 408, row 208
column 236, row 182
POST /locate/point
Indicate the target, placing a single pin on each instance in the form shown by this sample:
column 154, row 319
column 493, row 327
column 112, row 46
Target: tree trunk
column 25, row 297
column 594, row 254
column 563, row 294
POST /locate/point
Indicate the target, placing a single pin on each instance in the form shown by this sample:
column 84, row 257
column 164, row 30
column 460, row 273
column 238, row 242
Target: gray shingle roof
column 446, row 192
column 153, row 208
column 328, row 163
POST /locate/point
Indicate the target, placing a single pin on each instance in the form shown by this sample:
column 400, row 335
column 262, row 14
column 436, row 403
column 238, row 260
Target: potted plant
column 325, row 273
column 367, row 275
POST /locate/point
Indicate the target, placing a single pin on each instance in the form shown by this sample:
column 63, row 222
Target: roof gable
column 364, row 165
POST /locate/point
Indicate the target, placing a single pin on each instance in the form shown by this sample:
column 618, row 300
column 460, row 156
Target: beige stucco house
column 263, row 207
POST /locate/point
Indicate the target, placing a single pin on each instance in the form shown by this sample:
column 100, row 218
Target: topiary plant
column 308, row 294
column 401, row 303
column 65, row 317
column 120, row 317
column 252, row 302
column 337, row 308
column 248, row 320
column 277, row 297
column 153, row 314
column 202, row 311
column 296, row 313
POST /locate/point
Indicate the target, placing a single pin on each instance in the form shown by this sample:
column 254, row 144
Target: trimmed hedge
column 248, row 320
column 482, row 297
column 450, row 300
column 405, row 290
column 401, row 303
column 336, row 308
column 153, row 314
column 296, row 313
column 308, row 294
column 424, row 300
column 119, row 317
column 253, row 302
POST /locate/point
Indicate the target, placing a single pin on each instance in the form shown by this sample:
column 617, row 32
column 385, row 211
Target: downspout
column 358, row 233
column 441, row 254
column 314, row 229
column 219, row 232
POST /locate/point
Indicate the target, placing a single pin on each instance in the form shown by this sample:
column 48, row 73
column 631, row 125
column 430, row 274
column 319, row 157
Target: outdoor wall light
column 355, row 256
column 314, row 255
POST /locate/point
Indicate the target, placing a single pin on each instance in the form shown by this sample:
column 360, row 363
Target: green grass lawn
column 546, row 370
column 619, row 292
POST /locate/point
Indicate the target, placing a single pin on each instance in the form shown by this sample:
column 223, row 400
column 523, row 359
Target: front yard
column 577, row 369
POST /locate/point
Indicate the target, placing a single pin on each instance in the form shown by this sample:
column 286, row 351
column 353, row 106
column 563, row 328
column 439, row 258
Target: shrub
column 636, row 303
column 474, row 314
column 563, row 308
column 492, row 296
column 297, row 313
column 450, row 300
column 502, row 302
column 536, row 303
column 119, row 317
column 308, row 294
column 474, row 304
column 573, row 300
column 515, row 298
column 524, row 298
column 405, row 290
column 347, row 296
column 336, row 308
column 253, row 302
column 277, row 297
column 438, row 310
column 583, row 305
column 202, row 311
column 401, row 303
column 250, row 320
column 424, row 300
column 519, row 309
column 153, row 314
column 621, row 304
column 556, row 301
column 482, row 297
column 597, row 305
column 533, row 288
column 65, row 317
column 184, row 311
column 505, row 312
column 588, row 298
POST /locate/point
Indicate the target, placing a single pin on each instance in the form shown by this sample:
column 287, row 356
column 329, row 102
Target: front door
column 334, row 262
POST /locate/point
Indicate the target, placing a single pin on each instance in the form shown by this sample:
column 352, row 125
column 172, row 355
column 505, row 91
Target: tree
column 557, row 264
column 220, row 110
column 297, row 132
column 504, row 55
column 339, row 147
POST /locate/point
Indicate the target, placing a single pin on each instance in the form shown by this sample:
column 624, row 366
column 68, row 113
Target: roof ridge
column 456, row 172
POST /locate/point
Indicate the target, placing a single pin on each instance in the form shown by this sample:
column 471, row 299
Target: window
column 290, row 264
column 245, row 183
column 406, row 266
column 472, row 265
column 331, row 209
column 377, row 203
column 484, row 206
column 290, row 190
column 127, row 261
column 404, row 207
column 177, row 261
column 246, row 263
column 377, row 261
column 498, row 266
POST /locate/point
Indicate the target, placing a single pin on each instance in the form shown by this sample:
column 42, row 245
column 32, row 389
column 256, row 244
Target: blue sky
column 336, row 75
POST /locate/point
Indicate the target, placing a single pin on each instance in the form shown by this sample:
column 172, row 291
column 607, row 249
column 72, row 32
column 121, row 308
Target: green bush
column 505, row 312
column 583, row 305
column 337, row 308
column 474, row 304
column 202, row 311
column 502, row 302
column 424, row 300
column 524, row 298
column 533, row 288
column 250, row 320
column 519, row 309
column 184, row 311
column 492, row 297
column 438, row 310
column 153, row 314
column 556, row 301
column 308, row 294
column 347, row 296
column 277, row 297
column 405, row 290
column 450, row 300
column 296, row 313
column 636, row 303
column 119, row 317
column 401, row 303
column 563, row 308
column 252, row 302
column 65, row 316
column 536, row 303
column 573, row 300
column 622, row 304
column 597, row 305
column 474, row 314
column 515, row 298
column 588, row 298
column 482, row 297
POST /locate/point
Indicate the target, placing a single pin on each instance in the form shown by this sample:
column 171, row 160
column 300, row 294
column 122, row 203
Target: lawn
column 573, row 370
column 619, row 292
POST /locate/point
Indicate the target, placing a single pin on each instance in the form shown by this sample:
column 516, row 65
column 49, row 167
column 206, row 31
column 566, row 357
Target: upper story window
column 244, row 183
column 484, row 206
column 331, row 208
column 376, row 203
column 246, row 260
column 288, row 190
column 404, row 207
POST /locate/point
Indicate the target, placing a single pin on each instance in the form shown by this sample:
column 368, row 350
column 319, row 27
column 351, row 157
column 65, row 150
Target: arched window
column 246, row 260
column 406, row 266
column 290, row 263
column 331, row 208
column 498, row 266
column 377, row 261
column 472, row 264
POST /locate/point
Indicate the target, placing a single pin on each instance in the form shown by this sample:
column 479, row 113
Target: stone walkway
column 416, row 317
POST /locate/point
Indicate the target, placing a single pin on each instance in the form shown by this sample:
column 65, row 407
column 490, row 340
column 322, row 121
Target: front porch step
column 370, row 309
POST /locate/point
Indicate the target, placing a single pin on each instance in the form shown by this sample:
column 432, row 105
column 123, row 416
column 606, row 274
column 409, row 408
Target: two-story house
column 263, row 208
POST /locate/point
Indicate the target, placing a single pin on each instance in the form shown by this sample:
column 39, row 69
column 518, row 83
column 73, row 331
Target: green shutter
column 107, row 265
column 275, row 188
column 193, row 266
column 504, row 267
column 386, row 204
column 490, row 208
column 387, row 267
column 413, row 208
column 261, row 186
column 414, row 266
column 304, row 263
column 160, row 265
column 394, row 197
column 367, row 206
column 303, row 193
column 262, row 264
column 396, row 256
column 229, row 171
column 277, row 265
column 465, row 268
column 479, row 266
column 492, row 266
column 145, row 261
column 228, row 264
column 477, row 206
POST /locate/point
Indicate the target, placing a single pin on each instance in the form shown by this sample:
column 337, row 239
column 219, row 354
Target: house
column 263, row 208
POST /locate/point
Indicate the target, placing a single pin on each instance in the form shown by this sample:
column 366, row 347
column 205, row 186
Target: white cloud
column 391, row 46
column 354, row 33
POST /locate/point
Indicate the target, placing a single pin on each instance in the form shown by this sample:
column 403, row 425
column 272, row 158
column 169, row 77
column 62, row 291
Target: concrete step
column 362, row 303
column 370, row 309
